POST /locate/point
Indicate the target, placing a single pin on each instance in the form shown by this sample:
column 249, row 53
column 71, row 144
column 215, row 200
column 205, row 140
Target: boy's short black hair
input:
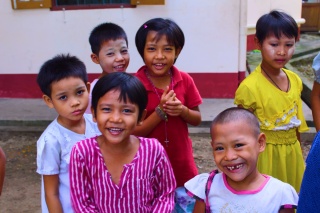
column 276, row 23
column 162, row 26
column 60, row 67
column 105, row 32
column 237, row 114
column 130, row 87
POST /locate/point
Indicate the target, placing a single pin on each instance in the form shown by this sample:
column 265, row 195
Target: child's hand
column 173, row 107
column 167, row 96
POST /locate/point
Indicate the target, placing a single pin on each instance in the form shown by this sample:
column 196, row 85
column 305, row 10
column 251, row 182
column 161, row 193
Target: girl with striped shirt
column 117, row 171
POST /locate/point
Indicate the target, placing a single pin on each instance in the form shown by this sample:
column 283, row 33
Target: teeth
column 117, row 67
column 115, row 129
column 235, row 167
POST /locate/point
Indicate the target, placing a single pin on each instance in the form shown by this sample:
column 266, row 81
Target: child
column 173, row 98
column 310, row 186
column 119, row 172
column 64, row 83
column 2, row 168
column 240, row 187
column 109, row 46
column 273, row 93
column 315, row 93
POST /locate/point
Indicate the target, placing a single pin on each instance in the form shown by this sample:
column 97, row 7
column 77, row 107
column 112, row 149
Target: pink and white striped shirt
column 147, row 184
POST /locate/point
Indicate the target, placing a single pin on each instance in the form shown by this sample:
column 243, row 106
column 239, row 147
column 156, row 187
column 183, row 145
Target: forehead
column 70, row 82
column 232, row 130
column 154, row 36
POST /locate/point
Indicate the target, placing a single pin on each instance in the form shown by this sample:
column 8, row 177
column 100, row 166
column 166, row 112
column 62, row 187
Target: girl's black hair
column 60, row 67
column 130, row 87
column 162, row 26
column 276, row 23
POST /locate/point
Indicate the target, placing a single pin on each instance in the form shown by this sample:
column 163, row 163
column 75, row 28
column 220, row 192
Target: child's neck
column 78, row 126
column 252, row 182
column 162, row 81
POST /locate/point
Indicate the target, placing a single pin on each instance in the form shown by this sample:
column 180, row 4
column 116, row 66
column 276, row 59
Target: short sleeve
column 196, row 186
column 48, row 154
column 289, row 197
column 244, row 97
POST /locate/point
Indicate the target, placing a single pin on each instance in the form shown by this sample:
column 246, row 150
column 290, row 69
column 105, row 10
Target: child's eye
column 168, row 49
column 218, row 148
column 110, row 54
column 124, row 51
column 106, row 109
column 80, row 92
column 289, row 45
column 238, row 145
column 127, row 110
column 274, row 45
column 64, row 97
column 151, row 49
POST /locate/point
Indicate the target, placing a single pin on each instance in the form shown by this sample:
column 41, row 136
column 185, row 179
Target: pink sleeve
column 81, row 195
column 164, row 185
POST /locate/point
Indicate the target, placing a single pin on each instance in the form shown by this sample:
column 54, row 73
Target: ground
column 21, row 192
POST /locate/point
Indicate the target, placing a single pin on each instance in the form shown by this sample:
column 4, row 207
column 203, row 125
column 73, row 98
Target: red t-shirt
column 179, row 148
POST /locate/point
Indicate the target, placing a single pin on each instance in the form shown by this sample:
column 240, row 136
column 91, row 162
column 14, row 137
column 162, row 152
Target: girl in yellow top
column 273, row 93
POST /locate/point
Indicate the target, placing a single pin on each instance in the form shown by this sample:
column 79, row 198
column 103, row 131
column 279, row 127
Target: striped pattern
column 147, row 184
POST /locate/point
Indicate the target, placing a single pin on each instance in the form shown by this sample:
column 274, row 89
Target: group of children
column 131, row 151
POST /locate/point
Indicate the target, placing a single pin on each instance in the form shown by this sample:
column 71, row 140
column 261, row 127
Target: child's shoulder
column 280, row 186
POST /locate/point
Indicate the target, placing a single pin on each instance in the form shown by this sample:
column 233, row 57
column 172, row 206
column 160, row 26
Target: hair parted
column 162, row 26
column 60, row 67
column 237, row 114
column 105, row 32
column 276, row 23
column 130, row 87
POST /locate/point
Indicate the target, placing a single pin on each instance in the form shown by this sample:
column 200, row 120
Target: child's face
column 113, row 56
column 69, row 97
column 116, row 119
column 159, row 55
column 276, row 52
column 235, row 151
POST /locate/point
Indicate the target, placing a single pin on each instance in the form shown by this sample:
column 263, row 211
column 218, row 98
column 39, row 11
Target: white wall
column 257, row 8
column 29, row 37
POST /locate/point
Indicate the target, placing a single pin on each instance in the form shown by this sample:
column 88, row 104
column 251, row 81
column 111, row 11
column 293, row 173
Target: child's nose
column 281, row 51
column 119, row 57
column 160, row 55
column 230, row 155
column 75, row 102
column 115, row 117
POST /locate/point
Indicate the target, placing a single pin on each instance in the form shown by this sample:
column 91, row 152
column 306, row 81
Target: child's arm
column 81, row 198
column 2, row 168
column 164, row 186
column 176, row 108
column 51, row 189
column 153, row 119
column 199, row 207
column 315, row 104
column 286, row 211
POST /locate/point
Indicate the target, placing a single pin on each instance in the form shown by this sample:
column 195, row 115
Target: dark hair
column 276, row 23
column 130, row 88
column 162, row 26
column 235, row 114
column 60, row 67
column 105, row 32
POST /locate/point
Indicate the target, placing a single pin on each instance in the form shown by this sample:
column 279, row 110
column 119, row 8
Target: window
column 81, row 4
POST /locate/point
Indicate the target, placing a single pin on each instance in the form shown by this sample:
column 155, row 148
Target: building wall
column 211, row 53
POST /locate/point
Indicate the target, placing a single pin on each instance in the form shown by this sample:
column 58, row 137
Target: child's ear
column 95, row 58
column 177, row 52
column 48, row 101
column 88, row 85
column 93, row 115
column 257, row 43
column 262, row 142
column 143, row 116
